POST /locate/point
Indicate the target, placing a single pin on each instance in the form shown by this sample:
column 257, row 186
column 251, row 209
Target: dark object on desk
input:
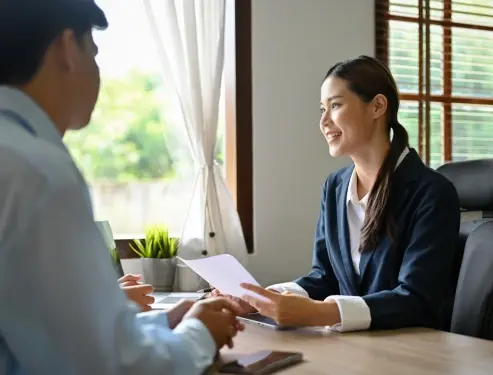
column 473, row 304
column 262, row 363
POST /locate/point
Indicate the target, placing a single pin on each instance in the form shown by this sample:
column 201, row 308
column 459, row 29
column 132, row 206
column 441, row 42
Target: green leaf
column 138, row 249
column 114, row 255
column 157, row 244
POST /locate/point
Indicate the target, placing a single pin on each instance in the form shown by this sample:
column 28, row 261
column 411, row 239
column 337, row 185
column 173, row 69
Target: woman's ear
column 379, row 106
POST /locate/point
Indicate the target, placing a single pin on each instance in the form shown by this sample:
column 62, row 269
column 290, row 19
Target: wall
column 294, row 44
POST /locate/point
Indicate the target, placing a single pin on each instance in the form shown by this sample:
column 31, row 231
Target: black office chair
column 472, row 312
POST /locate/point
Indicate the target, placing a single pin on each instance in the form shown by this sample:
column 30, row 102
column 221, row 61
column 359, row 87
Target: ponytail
column 378, row 219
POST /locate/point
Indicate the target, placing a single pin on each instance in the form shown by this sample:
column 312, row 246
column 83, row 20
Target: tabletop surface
column 416, row 351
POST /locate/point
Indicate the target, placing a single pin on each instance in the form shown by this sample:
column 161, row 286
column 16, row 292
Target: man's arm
column 65, row 313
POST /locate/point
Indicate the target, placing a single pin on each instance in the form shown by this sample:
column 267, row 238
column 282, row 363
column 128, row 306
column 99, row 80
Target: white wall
column 294, row 44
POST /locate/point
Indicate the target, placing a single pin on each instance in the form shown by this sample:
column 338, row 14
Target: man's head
column 47, row 50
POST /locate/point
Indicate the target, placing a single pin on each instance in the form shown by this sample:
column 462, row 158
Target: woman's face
column 347, row 122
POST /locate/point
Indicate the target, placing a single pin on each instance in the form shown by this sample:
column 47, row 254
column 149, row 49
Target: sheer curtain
column 190, row 39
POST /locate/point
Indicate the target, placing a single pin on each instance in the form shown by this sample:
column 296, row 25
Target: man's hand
column 177, row 312
column 219, row 316
column 136, row 291
column 129, row 280
column 245, row 307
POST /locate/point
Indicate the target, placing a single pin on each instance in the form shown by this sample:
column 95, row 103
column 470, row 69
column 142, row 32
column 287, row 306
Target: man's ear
column 379, row 106
column 67, row 50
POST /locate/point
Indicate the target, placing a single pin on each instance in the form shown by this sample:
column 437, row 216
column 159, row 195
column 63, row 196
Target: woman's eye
column 334, row 105
column 322, row 110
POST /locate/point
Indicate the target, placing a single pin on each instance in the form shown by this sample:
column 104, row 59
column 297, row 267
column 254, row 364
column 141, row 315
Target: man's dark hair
column 29, row 27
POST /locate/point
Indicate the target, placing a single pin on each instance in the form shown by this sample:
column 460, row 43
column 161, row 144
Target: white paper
column 225, row 273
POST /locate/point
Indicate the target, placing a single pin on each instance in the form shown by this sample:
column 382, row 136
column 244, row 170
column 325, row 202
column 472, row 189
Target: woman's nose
column 325, row 120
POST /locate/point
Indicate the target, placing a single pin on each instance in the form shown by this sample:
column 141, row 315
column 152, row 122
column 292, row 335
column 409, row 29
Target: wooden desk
column 402, row 352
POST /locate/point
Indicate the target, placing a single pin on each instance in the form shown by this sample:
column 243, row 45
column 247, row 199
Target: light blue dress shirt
column 61, row 309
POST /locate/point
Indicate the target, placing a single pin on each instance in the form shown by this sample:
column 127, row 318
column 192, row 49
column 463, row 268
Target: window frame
column 424, row 98
column 238, row 96
column 238, row 123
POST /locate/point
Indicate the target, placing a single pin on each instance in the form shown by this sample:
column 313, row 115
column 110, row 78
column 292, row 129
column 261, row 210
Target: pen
column 206, row 290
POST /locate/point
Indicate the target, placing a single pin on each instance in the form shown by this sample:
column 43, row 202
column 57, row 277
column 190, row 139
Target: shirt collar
column 352, row 192
column 19, row 102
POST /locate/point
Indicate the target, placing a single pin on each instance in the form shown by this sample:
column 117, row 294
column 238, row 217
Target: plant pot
column 132, row 265
column 160, row 273
column 187, row 280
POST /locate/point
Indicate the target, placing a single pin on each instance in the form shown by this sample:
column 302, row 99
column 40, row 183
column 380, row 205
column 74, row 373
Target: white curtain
column 190, row 40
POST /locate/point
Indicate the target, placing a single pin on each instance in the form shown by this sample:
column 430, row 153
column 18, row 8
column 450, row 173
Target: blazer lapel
column 343, row 234
column 366, row 256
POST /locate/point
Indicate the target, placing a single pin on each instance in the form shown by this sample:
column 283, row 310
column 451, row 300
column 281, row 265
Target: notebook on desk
column 256, row 318
column 164, row 301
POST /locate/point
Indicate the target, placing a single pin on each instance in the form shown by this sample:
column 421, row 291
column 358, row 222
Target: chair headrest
column 473, row 180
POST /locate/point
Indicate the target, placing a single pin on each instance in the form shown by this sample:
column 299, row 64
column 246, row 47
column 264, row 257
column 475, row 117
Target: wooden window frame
column 424, row 98
column 238, row 132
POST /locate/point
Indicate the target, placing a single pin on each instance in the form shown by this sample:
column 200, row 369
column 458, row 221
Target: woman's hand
column 245, row 307
column 292, row 310
column 136, row 291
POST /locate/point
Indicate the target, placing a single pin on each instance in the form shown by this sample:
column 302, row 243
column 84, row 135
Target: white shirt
column 62, row 310
column 355, row 313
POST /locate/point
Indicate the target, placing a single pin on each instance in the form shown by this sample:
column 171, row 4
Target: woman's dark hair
column 368, row 77
column 29, row 27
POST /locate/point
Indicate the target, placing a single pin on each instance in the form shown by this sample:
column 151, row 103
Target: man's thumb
column 130, row 277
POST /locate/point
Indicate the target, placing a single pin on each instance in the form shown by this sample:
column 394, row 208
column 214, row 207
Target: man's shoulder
column 35, row 167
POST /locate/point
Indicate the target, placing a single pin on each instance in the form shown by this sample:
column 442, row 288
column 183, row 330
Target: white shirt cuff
column 289, row 287
column 355, row 313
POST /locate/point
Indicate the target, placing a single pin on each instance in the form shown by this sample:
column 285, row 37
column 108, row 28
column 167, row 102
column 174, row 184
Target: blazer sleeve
column 321, row 281
column 425, row 272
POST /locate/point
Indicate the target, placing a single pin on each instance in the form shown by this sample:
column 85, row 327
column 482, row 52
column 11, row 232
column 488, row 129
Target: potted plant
column 157, row 254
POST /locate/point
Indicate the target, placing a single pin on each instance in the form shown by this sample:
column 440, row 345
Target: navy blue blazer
column 405, row 283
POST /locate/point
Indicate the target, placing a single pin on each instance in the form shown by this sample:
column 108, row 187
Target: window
column 134, row 153
column 441, row 54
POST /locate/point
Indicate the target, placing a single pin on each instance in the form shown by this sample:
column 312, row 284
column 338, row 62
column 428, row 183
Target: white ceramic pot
column 160, row 273
column 187, row 280
column 133, row 266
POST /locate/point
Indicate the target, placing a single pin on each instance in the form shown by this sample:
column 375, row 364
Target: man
column 136, row 291
column 62, row 310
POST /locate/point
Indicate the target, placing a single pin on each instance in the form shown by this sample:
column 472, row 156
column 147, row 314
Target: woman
column 388, row 226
